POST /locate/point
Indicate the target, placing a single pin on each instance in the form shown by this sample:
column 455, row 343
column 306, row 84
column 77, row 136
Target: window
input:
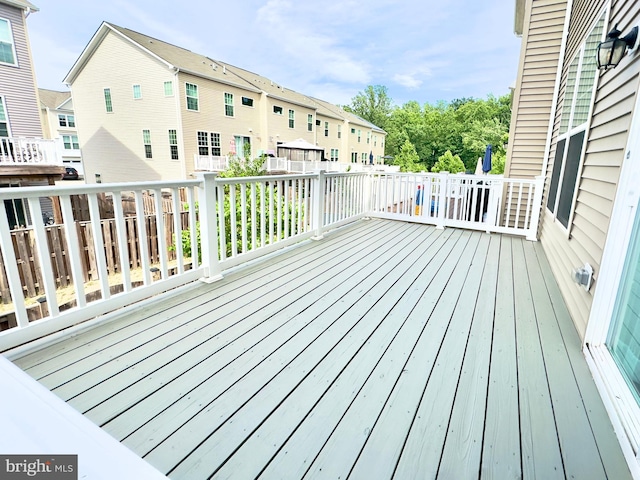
column 192, row 96
column 228, row 104
column 7, row 51
column 215, row 145
column 66, row 121
column 317, row 123
column 107, row 100
column 310, row 122
column 375, row 140
column 168, row 89
column 137, row 92
column 578, row 98
column 4, row 123
column 70, row 142
column 203, row 143
column 146, row 138
column 334, row 154
column 326, row 129
column 354, row 157
column 339, row 131
column 353, row 130
column 173, row 144
column 292, row 122
column 368, row 137
column 359, row 135
column 277, row 110
column 247, row 102
column 364, row 157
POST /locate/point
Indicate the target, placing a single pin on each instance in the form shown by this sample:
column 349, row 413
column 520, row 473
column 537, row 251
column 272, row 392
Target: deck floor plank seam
column 206, row 366
column 251, row 275
column 330, row 358
column 136, row 345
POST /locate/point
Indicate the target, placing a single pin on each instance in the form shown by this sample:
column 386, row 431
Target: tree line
column 445, row 136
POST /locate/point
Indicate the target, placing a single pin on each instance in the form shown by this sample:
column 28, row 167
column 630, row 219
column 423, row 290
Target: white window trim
column 13, row 46
column 187, row 97
column 571, row 131
column 164, row 90
column 6, row 114
column 232, row 105
column 104, row 99
column 133, row 87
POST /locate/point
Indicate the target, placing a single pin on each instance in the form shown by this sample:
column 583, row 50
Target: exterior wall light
column 583, row 276
column 611, row 51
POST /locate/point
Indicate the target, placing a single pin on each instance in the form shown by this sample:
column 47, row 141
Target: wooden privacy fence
column 31, row 271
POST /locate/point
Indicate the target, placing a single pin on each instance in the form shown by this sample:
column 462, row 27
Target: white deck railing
column 292, row 166
column 21, row 150
column 479, row 202
column 208, row 163
column 198, row 229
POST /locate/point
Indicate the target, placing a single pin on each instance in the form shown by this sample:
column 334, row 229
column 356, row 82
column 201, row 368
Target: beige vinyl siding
column 605, row 150
column 112, row 143
column 533, row 97
column 17, row 84
column 211, row 118
column 279, row 124
column 332, row 141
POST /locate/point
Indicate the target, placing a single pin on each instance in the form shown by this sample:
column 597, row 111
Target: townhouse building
column 148, row 110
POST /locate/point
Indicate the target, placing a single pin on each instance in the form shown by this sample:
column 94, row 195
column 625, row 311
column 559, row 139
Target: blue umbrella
column 486, row 163
column 371, row 158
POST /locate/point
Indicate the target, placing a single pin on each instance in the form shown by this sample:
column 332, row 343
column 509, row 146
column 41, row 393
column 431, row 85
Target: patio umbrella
column 486, row 163
column 371, row 158
column 479, row 167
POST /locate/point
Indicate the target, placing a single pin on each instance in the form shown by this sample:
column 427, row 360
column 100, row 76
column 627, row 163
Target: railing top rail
column 261, row 178
column 53, row 190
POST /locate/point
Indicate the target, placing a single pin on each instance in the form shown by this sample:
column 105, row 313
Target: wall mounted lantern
column 611, row 51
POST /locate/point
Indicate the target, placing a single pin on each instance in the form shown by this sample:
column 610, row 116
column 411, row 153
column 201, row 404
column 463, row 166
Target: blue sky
column 423, row 50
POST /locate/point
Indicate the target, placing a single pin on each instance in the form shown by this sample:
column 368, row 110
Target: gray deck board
column 385, row 350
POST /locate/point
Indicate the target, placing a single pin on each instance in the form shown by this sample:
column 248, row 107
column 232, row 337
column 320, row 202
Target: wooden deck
column 386, row 350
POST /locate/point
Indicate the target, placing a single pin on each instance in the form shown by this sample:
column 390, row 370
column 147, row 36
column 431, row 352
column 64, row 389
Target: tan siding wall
column 17, row 84
column 112, row 143
column 331, row 141
column 533, row 97
column 612, row 113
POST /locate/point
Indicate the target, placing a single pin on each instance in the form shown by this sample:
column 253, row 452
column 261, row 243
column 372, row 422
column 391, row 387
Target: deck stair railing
column 218, row 224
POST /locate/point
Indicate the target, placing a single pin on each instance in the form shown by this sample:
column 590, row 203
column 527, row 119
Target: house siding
column 210, row 116
column 17, row 84
column 596, row 186
column 534, row 93
column 112, row 143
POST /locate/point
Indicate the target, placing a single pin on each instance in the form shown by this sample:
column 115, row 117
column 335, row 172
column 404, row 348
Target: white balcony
column 18, row 151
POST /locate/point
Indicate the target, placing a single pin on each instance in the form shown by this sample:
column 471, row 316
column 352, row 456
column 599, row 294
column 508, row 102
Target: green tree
column 407, row 158
column 449, row 163
column 373, row 105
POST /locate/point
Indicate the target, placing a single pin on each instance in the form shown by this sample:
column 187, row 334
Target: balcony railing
column 273, row 164
column 22, row 150
column 200, row 228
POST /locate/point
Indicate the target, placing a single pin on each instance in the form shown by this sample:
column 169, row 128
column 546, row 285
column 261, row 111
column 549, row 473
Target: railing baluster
column 233, row 223
column 254, row 207
column 222, row 222
column 73, row 245
column 143, row 238
column 162, row 241
column 121, row 237
column 243, row 215
column 193, row 228
column 99, row 245
column 286, row 209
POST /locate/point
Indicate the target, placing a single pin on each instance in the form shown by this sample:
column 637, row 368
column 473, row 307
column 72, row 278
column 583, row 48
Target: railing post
column 208, row 226
column 442, row 200
column 368, row 197
column 536, row 207
column 318, row 204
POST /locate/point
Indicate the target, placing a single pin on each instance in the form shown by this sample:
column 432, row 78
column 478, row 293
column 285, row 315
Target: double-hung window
column 292, row 117
column 7, row 49
column 173, row 144
column 146, row 138
column 168, row 88
column 192, row 96
column 70, row 142
column 310, row 122
column 108, row 105
column 137, row 92
column 228, row 104
column 576, row 105
column 339, row 131
column 66, row 121
column 205, row 139
column 326, row 129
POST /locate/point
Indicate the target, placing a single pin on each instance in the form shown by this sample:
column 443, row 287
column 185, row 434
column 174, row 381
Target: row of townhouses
column 143, row 109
